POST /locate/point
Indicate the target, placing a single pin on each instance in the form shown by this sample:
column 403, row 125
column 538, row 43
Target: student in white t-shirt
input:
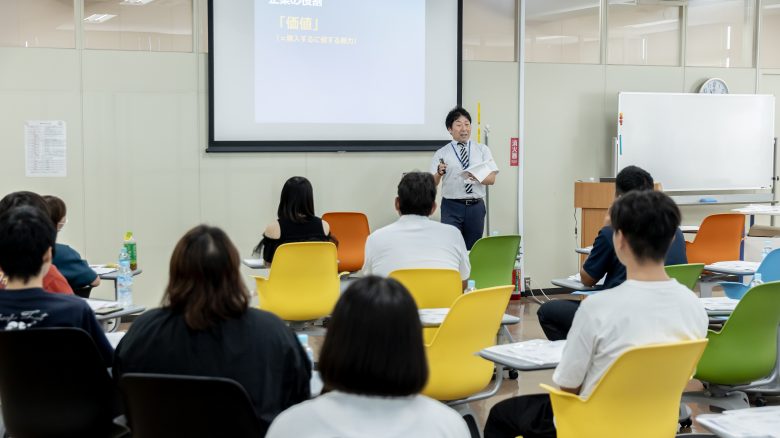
column 648, row 308
column 373, row 362
column 414, row 240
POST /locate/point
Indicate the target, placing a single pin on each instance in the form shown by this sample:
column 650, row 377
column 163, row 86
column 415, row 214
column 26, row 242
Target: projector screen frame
column 323, row 145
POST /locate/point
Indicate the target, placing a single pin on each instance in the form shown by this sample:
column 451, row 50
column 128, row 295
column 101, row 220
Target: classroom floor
column 528, row 382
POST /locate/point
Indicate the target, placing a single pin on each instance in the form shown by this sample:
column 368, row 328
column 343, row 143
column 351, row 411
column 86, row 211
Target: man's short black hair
column 374, row 344
column 648, row 221
column 23, row 198
column 454, row 114
column 416, row 193
column 632, row 178
column 25, row 234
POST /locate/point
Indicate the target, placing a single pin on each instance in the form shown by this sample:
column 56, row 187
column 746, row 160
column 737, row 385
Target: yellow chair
column 431, row 288
column 638, row 396
column 303, row 283
column 455, row 370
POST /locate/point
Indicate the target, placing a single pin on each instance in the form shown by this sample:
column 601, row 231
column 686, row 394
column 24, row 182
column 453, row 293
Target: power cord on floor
column 533, row 297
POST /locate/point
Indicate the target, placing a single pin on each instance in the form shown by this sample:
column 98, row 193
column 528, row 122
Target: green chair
column 743, row 353
column 493, row 259
column 686, row 275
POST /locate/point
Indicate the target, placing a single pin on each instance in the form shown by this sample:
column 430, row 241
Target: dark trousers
column 556, row 317
column 529, row 415
column 469, row 219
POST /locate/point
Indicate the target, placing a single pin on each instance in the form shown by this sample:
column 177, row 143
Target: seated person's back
column 295, row 222
column 648, row 308
column 206, row 328
column 415, row 241
column 53, row 280
column 67, row 260
column 602, row 260
column 373, row 360
column 26, row 240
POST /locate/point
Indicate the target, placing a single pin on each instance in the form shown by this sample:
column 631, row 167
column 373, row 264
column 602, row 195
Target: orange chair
column 719, row 239
column 351, row 231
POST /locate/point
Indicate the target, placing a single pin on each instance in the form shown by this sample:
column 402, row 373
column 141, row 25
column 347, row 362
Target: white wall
column 137, row 133
column 137, row 126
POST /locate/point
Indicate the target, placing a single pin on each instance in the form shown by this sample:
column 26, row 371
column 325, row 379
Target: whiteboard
column 698, row 142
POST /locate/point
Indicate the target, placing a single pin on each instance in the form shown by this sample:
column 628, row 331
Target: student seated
column 415, row 241
column 556, row 316
column 373, row 365
column 648, row 308
column 53, row 280
column 205, row 328
column 70, row 264
column 26, row 243
column 295, row 222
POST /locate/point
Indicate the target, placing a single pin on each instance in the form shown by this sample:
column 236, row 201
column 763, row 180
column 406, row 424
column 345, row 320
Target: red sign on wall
column 514, row 152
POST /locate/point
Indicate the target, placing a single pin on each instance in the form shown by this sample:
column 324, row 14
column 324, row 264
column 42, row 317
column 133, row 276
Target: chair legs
column 727, row 401
column 469, row 417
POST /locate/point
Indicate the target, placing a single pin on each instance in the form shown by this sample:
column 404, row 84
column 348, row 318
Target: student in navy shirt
column 75, row 269
column 27, row 237
column 556, row 316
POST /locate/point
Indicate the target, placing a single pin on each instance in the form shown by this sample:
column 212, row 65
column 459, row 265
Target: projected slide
column 332, row 75
column 339, row 61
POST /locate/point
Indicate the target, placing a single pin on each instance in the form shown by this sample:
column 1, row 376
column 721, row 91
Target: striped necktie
column 464, row 161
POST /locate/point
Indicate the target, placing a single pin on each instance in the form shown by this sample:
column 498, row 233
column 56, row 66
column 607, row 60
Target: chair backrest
column 770, row 267
column 158, row 405
column 745, row 349
column 493, row 259
column 455, row 370
column 431, row 288
column 303, row 283
column 638, row 396
column 718, row 239
column 351, row 230
column 53, row 382
column 686, row 275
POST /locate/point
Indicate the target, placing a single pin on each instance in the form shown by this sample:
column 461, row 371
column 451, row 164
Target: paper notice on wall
column 45, row 148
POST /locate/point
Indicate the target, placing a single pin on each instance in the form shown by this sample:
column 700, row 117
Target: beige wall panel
column 494, row 85
column 42, row 84
column 739, row 80
column 140, row 123
column 564, row 129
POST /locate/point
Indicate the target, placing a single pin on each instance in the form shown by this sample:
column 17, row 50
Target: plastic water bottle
column 767, row 249
column 124, row 280
column 756, row 280
column 131, row 250
column 471, row 286
column 304, row 340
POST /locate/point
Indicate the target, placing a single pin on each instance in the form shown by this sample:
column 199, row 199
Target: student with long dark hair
column 205, row 328
column 296, row 221
column 373, row 365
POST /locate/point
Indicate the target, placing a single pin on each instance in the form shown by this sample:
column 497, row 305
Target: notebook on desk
column 535, row 351
column 102, row 307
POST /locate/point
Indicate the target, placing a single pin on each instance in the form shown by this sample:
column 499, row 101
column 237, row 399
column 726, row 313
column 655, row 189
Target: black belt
column 471, row 201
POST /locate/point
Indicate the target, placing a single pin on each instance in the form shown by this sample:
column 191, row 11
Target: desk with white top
column 753, row 209
column 732, row 267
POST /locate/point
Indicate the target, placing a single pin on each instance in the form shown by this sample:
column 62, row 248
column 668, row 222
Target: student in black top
column 295, row 222
column 205, row 328
column 69, row 262
column 26, row 240
column 556, row 316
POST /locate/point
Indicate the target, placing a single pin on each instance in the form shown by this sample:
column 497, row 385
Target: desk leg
column 705, row 288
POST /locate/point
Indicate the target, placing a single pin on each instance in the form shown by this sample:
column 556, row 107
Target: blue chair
column 769, row 270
